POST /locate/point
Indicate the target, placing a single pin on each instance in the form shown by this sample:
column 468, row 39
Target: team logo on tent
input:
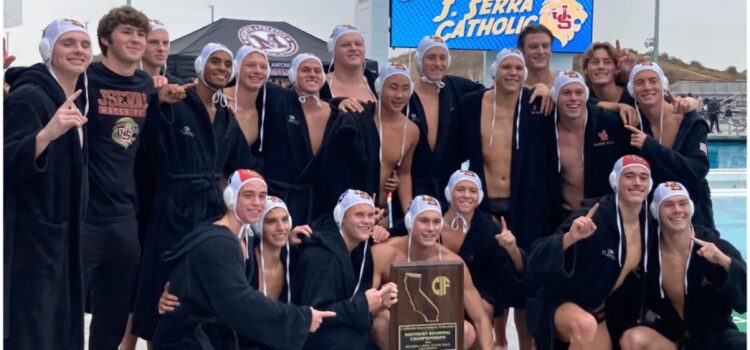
column 273, row 41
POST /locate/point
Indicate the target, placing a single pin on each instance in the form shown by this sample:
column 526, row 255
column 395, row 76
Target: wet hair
column 533, row 29
column 117, row 16
column 589, row 54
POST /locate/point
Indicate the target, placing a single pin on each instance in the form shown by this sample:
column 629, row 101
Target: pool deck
column 725, row 136
column 728, row 133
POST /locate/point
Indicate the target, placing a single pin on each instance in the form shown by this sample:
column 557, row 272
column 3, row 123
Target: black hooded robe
column 583, row 274
column 605, row 141
column 325, row 278
column 45, row 202
column 533, row 165
column 686, row 162
column 711, row 295
column 348, row 159
column 287, row 154
column 218, row 303
column 489, row 264
column 430, row 168
column 190, row 158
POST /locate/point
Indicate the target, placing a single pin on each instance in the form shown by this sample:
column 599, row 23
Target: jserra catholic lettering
column 122, row 103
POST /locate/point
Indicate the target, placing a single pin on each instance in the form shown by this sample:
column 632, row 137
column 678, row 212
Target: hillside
column 469, row 64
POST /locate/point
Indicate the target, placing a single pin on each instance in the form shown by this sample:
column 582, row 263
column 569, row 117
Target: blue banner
column 491, row 24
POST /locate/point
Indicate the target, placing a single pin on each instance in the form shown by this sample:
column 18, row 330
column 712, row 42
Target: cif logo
column 273, row 41
column 440, row 285
column 563, row 18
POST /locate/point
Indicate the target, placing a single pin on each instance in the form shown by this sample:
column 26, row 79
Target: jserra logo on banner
column 273, row 41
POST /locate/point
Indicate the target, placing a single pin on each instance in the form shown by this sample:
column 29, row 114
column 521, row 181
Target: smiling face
column 509, row 76
column 350, row 50
column 435, row 63
column 251, row 201
column 426, row 228
column 218, row 69
column 633, row 185
column 572, row 101
column 157, row 48
column 276, row 227
column 310, row 76
column 600, row 68
column 395, row 93
column 72, row 53
column 537, row 50
column 674, row 213
column 358, row 222
column 126, row 44
column 465, row 197
column 254, row 71
column 647, row 88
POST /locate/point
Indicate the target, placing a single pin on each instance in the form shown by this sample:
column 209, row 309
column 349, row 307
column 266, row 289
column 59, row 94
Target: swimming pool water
column 727, row 154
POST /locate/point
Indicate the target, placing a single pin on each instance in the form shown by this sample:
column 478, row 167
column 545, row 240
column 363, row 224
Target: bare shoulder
column 387, row 249
column 449, row 255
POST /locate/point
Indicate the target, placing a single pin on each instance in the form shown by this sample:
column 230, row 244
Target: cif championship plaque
column 429, row 314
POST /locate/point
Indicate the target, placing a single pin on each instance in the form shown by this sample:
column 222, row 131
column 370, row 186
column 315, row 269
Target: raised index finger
column 503, row 225
column 617, row 47
column 700, row 242
column 592, row 211
column 71, row 98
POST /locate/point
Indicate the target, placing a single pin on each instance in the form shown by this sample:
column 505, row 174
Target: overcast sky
column 715, row 34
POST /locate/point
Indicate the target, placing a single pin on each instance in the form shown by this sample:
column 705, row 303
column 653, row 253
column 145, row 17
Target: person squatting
column 229, row 212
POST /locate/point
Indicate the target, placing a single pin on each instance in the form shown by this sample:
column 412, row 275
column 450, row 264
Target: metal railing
column 710, row 88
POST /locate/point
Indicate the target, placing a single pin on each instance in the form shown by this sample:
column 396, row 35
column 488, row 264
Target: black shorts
column 499, row 207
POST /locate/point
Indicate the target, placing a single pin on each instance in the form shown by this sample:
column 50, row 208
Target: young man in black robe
column 46, row 190
column 347, row 75
column 203, row 144
column 364, row 149
column 475, row 235
column 589, row 142
column 424, row 223
column 431, row 107
column 294, row 137
column 210, row 278
column 511, row 147
column 674, row 142
column 583, row 268
column 334, row 272
column 695, row 280
column 125, row 112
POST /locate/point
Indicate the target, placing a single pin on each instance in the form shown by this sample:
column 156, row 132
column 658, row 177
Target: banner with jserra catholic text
column 491, row 24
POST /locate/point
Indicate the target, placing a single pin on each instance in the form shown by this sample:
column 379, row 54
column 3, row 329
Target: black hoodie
column 711, row 295
column 325, row 277
column 217, row 301
column 686, row 162
column 45, row 202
